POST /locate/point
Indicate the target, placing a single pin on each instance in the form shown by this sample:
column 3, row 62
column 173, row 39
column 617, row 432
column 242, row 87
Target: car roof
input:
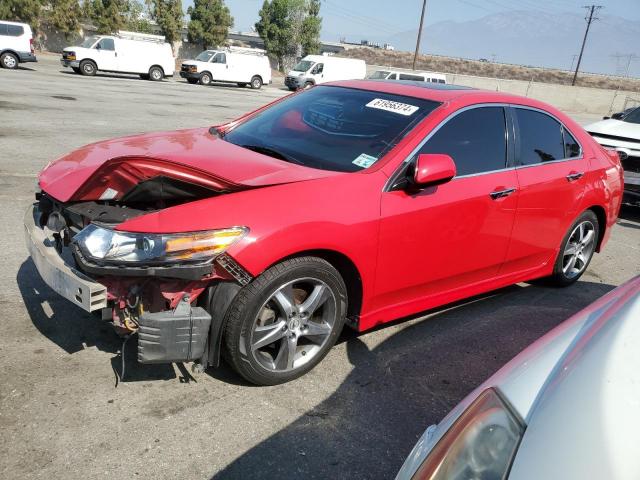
column 440, row 92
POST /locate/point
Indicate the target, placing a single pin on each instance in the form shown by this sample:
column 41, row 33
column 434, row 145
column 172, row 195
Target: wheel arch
column 347, row 268
column 13, row 52
column 156, row 65
column 89, row 60
column 601, row 215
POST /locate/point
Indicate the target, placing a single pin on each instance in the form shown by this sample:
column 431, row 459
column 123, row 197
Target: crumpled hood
column 615, row 127
column 198, row 156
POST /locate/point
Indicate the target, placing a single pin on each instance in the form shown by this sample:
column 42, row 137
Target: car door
column 550, row 167
column 106, row 54
column 317, row 73
column 218, row 67
column 450, row 236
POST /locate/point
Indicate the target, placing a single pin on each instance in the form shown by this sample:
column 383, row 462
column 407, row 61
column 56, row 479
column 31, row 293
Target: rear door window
column 476, row 140
column 540, row 138
column 15, row 30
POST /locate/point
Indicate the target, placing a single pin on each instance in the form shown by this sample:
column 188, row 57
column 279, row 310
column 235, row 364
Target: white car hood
column 615, row 127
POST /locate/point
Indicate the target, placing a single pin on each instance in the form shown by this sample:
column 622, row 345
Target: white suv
column 16, row 44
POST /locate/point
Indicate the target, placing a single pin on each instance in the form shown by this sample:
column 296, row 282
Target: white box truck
column 315, row 69
column 16, row 44
column 243, row 66
column 146, row 55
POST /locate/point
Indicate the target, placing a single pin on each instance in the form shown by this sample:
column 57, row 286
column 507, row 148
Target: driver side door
column 107, row 57
column 447, row 238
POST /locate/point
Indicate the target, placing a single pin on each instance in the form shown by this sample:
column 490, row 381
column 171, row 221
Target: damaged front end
column 155, row 285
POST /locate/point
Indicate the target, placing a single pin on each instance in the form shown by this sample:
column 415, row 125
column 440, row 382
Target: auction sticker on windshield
column 395, row 107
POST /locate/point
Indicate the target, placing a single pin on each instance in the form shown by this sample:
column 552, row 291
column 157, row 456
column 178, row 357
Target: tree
column 64, row 16
column 26, row 11
column 210, row 22
column 136, row 18
column 311, row 27
column 289, row 28
column 168, row 15
column 108, row 16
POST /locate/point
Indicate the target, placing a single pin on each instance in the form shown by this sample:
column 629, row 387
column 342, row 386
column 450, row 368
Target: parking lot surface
column 356, row 415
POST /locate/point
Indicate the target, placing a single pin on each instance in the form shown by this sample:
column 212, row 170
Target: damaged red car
column 354, row 203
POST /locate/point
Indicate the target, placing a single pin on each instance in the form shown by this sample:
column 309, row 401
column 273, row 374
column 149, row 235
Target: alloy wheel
column 579, row 249
column 293, row 325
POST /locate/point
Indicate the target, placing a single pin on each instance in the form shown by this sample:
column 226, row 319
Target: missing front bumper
column 56, row 272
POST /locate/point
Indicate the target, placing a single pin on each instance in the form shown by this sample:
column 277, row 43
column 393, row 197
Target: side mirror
column 432, row 168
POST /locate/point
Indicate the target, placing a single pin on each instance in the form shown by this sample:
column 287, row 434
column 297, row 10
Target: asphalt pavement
column 355, row 416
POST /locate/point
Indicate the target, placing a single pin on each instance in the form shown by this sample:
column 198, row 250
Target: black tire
column 562, row 277
column 242, row 85
column 9, row 60
column 155, row 74
column 292, row 89
column 75, row 69
column 308, row 85
column 205, row 78
column 88, row 68
column 242, row 317
column 192, row 81
column 256, row 82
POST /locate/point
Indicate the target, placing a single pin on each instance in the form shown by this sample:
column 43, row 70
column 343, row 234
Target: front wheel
column 578, row 247
column 205, row 79
column 285, row 322
column 88, row 68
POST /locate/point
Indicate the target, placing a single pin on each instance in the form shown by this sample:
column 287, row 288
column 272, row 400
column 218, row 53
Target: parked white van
column 414, row 76
column 147, row 55
column 16, row 44
column 314, row 69
column 243, row 66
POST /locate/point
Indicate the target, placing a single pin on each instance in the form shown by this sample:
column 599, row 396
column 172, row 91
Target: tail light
column 31, row 45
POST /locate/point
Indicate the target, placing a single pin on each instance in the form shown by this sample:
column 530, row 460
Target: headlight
column 479, row 445
column 106, row 245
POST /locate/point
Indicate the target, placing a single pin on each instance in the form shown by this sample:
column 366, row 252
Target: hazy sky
column 357, row 18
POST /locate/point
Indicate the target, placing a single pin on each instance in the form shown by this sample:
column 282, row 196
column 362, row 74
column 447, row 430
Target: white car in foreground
column 622, row 133
column 567, row 407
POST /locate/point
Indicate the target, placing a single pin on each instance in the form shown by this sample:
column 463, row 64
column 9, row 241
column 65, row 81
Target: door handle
column 502, row 193
column 574, row 176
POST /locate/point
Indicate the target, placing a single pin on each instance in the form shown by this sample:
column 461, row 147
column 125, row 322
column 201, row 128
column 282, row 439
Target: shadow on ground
column 409, row 381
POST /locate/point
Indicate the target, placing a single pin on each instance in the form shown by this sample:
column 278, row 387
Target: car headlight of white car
column 480, row 444
column 107, row 245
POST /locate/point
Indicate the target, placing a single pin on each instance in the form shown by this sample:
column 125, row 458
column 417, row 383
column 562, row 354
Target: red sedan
column 355, row 202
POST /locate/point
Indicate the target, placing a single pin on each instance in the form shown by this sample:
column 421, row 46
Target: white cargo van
column 314, row 69
column 146, row 55
column 243, row 66
column 414, row 76
column 16, row 44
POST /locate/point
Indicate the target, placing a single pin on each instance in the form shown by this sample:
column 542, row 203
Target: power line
column 590, row 19
column 620, row 68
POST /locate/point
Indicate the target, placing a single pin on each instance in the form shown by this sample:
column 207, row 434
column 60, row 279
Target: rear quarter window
column 15, row 30
column 540, row 137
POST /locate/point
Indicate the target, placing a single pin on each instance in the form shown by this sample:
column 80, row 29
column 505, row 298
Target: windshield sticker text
column 364, row 160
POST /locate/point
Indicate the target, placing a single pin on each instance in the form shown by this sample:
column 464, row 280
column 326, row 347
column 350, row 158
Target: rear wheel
column 9, row 60
column 88, row 68
column 156, row 74
column 578, row 247
column 284, row 322
column 205, row 79
column 256, row 82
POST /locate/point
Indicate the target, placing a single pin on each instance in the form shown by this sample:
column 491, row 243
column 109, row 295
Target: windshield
column 303, row 66
column 88, row 42
column 633, row 116
column 379, row 75
column 205, row 56
column 332, row 128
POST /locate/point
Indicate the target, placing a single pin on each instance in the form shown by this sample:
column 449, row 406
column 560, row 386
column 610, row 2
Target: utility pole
column 415, row 56
column 592, row 9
